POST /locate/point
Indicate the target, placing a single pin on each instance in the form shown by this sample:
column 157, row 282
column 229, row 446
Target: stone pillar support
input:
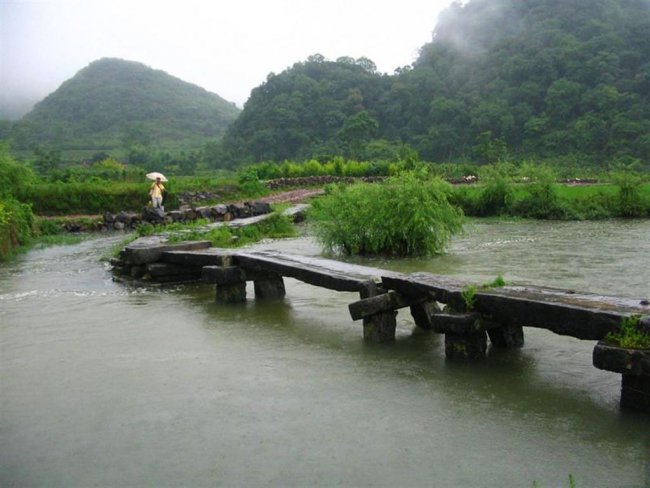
column 422, row 312
column 465, row 336
column 378, row 327
column 507, row 336
column 634, row 366
column 231, row 293
column 270, row 287
column 469, row 346
column 230, row 281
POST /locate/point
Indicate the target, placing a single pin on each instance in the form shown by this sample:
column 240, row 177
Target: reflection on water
column 109, row 385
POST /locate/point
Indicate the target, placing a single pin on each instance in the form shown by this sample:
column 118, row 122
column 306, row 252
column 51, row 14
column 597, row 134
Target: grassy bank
column 554, row 201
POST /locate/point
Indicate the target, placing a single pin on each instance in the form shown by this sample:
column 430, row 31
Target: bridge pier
column 231, row 293
column 634, row 366
column 380, row 328
column 422, row 312
column 231, row 283
column 465, row 336
column 379, row 322
column 270, row 287
column 469, row 346
column 506, row 336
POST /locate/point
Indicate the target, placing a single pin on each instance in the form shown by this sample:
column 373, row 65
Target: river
column 109, row 385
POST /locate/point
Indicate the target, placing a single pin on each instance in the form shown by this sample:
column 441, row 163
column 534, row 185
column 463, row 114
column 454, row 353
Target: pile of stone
column 216, row 213
column 192, row 198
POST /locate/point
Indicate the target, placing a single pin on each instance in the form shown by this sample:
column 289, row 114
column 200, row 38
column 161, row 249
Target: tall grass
column 404, row 215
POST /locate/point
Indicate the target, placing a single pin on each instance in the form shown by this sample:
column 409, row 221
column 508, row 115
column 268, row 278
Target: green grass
column 497, row 282
column 469, row 297
column 277, row 226
column 555, row 201
column 629, row 335
column 115, row 249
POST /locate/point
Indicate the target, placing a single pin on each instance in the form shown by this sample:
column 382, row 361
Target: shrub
column 542, row 201
column 497, row 194
column 250, row 184
column 403, row 215
column 13, row 176
column 628, row 202
column 16, row 222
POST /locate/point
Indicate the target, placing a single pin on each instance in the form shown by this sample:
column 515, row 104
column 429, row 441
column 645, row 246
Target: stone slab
column 159, row 270
column 223, row 275
column 581, row 315
column 204, row 257
column 326, row 273
column 381, row 303
column 149, row 249
column 621, row 360
column 460, row 323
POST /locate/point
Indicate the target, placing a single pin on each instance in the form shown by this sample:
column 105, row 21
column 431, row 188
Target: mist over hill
column 557, row 79
column 115, row 103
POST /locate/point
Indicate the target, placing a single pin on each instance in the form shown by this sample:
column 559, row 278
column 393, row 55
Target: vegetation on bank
column 524, row 189
column 534, row 192
column 16, row 220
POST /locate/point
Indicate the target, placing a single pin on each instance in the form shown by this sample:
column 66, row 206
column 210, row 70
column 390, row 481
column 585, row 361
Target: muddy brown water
column 108, row 385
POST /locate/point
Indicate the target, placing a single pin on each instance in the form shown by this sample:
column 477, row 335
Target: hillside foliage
column 500, row 79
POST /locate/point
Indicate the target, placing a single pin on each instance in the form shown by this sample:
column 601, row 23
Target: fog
column 226, row 47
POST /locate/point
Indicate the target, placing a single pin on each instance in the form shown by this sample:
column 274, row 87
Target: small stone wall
column 215, row 213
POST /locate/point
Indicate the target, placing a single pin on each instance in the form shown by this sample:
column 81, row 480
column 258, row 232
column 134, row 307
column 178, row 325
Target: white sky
column 227, row 47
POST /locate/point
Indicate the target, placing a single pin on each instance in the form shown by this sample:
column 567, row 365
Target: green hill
column 113, row 103
column 543, row 79
column 303, row 111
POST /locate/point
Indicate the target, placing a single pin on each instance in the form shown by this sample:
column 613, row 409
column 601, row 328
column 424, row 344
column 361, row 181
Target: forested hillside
column 114, row 103
column 542, row 79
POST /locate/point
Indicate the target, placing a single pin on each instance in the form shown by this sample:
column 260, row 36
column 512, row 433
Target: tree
column 47, row 162
column 357, row 130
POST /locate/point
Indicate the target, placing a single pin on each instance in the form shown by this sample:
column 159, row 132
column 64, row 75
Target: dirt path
column 293, row 196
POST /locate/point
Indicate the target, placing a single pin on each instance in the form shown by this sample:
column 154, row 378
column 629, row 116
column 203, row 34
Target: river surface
column 109, row 385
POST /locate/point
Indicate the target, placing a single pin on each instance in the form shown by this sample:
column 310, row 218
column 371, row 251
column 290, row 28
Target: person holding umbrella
column 156, row 191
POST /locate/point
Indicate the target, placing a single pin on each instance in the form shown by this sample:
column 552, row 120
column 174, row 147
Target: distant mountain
column 113, row 103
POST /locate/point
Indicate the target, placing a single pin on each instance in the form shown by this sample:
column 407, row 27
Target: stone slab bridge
column 437, row 303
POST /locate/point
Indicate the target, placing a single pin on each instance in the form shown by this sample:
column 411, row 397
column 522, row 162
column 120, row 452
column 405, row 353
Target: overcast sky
column 227, row 47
